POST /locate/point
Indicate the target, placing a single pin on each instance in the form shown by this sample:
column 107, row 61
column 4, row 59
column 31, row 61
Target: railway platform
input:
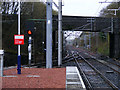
column 41, row 78
column 32, row 78
column 74, row 79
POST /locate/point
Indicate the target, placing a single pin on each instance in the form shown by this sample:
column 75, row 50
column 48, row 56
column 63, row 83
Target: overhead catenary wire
column 98, row 8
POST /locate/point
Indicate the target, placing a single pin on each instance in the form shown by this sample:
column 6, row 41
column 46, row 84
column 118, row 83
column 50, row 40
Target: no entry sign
column 18, row 39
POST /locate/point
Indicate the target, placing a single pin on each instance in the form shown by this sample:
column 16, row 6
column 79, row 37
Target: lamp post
column 19, row 56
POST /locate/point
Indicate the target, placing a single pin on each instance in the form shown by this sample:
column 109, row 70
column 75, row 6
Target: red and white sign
column 18, row 39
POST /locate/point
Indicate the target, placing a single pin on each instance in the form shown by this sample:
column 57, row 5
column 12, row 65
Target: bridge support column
column 114, row 45
column 115, row 41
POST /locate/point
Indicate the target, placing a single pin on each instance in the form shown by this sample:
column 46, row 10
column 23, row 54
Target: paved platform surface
column 35, row 78
column 73, row 79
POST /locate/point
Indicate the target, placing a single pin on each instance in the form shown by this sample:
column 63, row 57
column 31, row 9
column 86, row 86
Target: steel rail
column 105, row 79
column 89, row 86
column 103, row 63
column 113, row 64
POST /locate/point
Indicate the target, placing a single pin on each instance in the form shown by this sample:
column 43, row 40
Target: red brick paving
column 49, row 78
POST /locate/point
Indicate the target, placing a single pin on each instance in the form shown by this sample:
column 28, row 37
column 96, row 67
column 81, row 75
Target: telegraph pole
column 19, row 56
column 49, row 35
column 59, row 32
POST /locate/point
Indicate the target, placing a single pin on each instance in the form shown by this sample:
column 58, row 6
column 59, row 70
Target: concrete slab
column 73, row 78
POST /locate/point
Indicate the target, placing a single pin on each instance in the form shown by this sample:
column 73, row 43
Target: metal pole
column 60, row 32
column 1, row 62
column 64, row 45
column 89, row 40
column 29, row 50
column 112, row 25
column 19, row 56
column 90, row 35
column 96, row 35
column 85, row 41
column 49, row 35
column 1, row 74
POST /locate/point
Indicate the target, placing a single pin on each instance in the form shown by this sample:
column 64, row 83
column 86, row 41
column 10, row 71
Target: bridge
column 94, row 24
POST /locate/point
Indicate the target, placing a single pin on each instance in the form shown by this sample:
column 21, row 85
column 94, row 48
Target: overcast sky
column 82, row 7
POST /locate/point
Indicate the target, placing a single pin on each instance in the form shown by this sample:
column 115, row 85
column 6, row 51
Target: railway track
column 92, row 77
column 113, row 66
column 110, row 71
column 107, row 71
column 114, row 62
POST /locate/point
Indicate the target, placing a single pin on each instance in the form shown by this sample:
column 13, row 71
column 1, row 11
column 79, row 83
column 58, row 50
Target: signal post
column 29, row 47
